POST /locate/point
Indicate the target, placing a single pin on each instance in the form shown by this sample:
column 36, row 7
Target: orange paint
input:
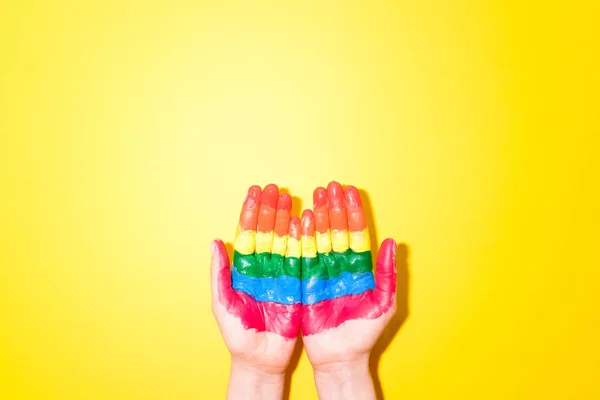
column 337, row 210
column 294, row 228
column 320, row 210
column 249, row 214
column 308, row 223
column 266, row 215
column 354, row 209
column 282, row 217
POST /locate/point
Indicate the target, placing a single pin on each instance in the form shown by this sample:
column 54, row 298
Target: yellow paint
column 359, row 240
column 131, row 130
column 264, row 242
column 323, row 242
column 245, row 241
column 339, row 240
column 279, row 244
column 294, row 248
column 309, row 246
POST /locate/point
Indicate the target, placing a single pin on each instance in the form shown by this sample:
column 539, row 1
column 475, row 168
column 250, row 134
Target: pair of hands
column 312, row 275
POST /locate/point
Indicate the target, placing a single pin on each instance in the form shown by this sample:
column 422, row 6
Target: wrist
column 250, row 381
column 345, row 379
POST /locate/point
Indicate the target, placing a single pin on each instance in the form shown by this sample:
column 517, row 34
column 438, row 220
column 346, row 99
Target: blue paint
column 284, row 289
column 317, row 289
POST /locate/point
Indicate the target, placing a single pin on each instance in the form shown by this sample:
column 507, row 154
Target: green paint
column 266, row 265
column 332, row 265
column 325, row 265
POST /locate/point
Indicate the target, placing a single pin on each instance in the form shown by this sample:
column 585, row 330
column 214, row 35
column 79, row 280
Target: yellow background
column 129, row 132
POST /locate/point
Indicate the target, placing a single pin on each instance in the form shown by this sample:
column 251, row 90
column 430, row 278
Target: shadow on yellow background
column 402, row 295
column 130, row 130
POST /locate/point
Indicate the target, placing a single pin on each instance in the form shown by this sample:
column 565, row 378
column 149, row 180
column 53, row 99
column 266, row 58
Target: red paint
column 284, row 202
column 308, row 223
column 320, row 210
column 281, row 319
column 282, row 217
column 266, row 215
column 354, row 209
column 337, row 210
column 320, row 197
column 270, row 195
column 329, row 314
column 294, row 228
column 249, row 214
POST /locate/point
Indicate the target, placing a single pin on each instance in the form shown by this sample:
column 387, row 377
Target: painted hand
column 344, row 309
column 257, row 302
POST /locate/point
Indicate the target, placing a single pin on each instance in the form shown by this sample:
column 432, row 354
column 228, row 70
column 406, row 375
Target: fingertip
column 253, row 194
column 333, row 185
column 320, row 197
column 352, row 197
column 284, row 202
column 387, row 253
column 308, row 223
column 389, row 243
column 254, row 190
column 271, row 187
column 218, row 250
column 335, row 194
column 270, row 195
column 214, row 245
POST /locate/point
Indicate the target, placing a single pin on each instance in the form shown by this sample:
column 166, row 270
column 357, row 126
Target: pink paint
column 281, row 319
column 372, row 304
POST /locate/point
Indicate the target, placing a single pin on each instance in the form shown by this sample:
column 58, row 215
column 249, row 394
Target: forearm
column 248, row 382
column 345, row 380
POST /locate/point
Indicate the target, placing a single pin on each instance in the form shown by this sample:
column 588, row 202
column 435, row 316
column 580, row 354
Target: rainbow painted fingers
column 263, row 287
column 337, row 279
column 313, row 274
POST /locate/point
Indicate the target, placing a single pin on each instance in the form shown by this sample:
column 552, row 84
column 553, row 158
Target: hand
column 344, row 309
column 257, row 302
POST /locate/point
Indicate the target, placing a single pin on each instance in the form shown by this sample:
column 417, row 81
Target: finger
column 321, row 213
column 307, row 229
column 385, row 279
column 246, row 233
column 282, row 224
column 266, row 219
column 338, row 220
column 294, row 248
column 220, row 275
column 359, row 233
column 310, row 261
column 291, row 264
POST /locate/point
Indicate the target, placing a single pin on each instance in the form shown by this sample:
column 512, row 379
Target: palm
column 258, row 348
column 257, row 301
column 343, row 311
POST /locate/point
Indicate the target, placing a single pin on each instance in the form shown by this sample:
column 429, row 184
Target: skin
column 260, row 335
column 316, row 272
column 339, row 333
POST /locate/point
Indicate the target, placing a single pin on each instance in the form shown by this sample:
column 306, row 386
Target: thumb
column 220, row 274
column 385, row 279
